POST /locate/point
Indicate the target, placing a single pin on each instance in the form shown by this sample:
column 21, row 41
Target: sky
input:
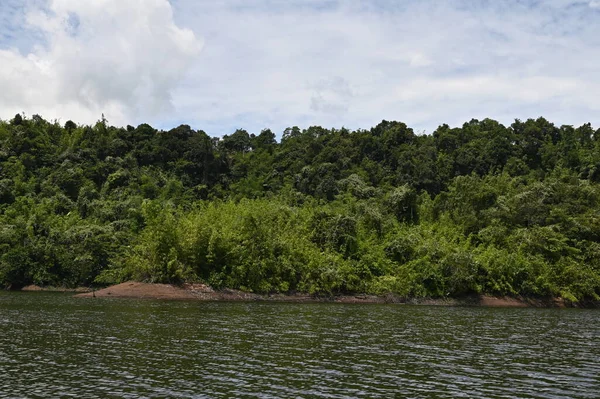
column 254, row 64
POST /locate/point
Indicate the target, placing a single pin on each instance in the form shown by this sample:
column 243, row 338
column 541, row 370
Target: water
column 52, row 345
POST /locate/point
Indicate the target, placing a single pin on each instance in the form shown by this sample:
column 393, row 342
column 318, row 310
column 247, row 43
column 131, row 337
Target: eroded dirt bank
column 205, row 293
column 35, row 288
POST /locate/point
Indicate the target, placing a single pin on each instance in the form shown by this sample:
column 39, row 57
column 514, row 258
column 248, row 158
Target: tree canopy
column 481, row 208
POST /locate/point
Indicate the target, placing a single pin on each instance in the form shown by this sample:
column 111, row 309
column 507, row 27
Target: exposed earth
column 205, row 293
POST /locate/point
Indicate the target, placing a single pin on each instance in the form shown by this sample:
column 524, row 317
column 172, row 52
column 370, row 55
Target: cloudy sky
column 222, row 65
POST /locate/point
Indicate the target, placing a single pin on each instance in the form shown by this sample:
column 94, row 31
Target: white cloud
column 120, row 58
column 419, row 60
column 331, row 96
column 275, row 63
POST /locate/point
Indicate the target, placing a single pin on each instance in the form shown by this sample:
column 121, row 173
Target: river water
column 53, row 345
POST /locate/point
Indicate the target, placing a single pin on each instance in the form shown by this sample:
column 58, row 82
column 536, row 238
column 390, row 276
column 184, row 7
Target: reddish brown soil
column 203, row 292
column 491, row 301
column 141, row 290
column 33, row 288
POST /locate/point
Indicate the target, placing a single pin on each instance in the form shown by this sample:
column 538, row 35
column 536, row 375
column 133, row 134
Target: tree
column 17, row 120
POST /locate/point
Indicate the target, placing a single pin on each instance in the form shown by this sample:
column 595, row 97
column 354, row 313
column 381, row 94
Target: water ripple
column 52, row 345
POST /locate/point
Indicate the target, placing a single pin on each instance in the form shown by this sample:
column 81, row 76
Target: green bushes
column 267, row 246
column 260, row 246
column 477, row 209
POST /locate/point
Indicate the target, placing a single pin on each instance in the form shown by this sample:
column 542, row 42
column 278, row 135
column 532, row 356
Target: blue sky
column 249, row 64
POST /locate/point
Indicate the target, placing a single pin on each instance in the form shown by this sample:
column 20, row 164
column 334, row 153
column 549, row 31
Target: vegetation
column 483, row 208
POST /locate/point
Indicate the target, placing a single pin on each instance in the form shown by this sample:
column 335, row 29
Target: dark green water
column 52, row 345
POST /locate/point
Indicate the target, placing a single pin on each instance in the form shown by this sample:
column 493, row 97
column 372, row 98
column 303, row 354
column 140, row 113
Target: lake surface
column 53, row 345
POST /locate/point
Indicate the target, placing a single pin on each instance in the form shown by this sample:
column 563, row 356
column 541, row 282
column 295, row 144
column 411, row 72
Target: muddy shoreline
column 37, row 288
column 202, row 292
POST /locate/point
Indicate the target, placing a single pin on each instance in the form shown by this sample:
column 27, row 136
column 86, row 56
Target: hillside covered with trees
column 483, row 208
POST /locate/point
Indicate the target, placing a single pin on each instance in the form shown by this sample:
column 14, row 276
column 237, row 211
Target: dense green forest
column 483, row 208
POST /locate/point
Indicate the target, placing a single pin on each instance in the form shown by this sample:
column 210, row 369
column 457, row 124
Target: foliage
column 481, row 208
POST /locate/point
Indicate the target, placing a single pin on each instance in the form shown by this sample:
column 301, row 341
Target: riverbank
column 203, row 292
column 37, row 288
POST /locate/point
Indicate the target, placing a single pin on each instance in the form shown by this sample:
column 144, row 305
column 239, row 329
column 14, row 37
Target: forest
column 478, row 209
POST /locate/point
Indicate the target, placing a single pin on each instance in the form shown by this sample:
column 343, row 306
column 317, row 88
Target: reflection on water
column 52, row 345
